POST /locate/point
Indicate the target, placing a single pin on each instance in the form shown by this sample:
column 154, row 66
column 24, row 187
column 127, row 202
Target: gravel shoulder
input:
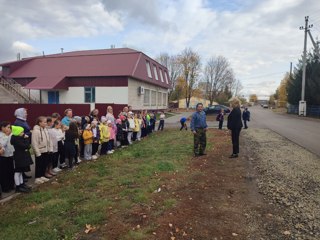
column 288, row 177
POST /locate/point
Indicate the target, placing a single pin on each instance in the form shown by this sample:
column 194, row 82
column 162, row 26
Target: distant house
column 119, row 76
column 194, row 101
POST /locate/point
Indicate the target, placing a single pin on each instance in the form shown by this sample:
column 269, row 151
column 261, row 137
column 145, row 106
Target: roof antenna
column 18, row 56
column 61, row 50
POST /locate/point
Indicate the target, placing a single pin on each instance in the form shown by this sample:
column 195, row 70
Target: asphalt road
column 303, row 131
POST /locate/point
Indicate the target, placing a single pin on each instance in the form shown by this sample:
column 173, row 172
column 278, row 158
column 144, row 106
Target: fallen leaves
column 286, row 233
column 89, row 228
column 177, row 231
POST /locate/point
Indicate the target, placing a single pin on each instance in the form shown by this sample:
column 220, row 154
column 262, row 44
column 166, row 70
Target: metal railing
column 312, row 110
column 16, row 89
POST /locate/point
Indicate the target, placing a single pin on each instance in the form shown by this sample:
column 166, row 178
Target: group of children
column 61, row 143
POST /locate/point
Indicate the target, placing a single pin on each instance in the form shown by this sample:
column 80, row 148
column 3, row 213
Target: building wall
column 73, row 95
column 117, row 95
column 194, row 101
column 137, row 101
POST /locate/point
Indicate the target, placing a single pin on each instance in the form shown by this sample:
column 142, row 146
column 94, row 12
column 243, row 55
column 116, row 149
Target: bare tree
column 218, row 75
column 190, row 70
column 236, row 87
column 173, row 66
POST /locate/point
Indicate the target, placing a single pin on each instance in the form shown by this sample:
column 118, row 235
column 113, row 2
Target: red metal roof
column 50, row 70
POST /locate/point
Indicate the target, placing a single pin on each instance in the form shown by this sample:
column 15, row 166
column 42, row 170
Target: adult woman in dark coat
column 235, row 125
column 21, row 115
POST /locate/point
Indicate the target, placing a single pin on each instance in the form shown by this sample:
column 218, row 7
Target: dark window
column 89, row 94
column 53, row 97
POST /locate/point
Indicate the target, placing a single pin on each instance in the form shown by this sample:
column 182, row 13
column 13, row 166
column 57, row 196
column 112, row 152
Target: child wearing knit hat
column 22, row 157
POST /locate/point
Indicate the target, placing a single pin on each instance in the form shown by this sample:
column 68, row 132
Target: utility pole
column 302, row 102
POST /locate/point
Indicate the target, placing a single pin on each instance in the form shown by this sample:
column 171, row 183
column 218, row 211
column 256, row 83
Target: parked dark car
column 215, row 109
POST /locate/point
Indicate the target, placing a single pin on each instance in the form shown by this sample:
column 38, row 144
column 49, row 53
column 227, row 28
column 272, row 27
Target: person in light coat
column 58, row 149
column 42, row 146
column 6, row 158
column 130, row 127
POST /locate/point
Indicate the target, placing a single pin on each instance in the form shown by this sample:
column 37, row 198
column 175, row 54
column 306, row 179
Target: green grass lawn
column 61, row 208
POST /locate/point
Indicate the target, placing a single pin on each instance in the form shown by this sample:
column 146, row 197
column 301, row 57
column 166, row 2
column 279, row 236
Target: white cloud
column 37, row 19
column 23, row 48
column 258, row 37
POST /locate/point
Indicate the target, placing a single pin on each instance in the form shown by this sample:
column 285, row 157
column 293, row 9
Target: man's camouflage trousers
column 200, row 141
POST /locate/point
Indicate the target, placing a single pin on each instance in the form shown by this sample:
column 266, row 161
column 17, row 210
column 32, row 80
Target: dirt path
column 217, row 199
column 268, row 193
column 247, row 198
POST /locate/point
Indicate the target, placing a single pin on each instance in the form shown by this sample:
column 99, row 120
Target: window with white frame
column 89, row 94
column 148, row 69
column 155, row 72
column 161, row 76
column 166, row 77
column 146, row 97
column 153, row 98
column 164, row 99
column 159, row 98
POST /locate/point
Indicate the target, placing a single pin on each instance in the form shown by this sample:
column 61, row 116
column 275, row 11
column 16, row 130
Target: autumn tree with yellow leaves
column 282, row 97
column 253, row 98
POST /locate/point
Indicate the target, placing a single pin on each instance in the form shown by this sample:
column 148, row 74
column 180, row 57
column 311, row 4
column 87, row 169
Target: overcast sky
column 259, row 38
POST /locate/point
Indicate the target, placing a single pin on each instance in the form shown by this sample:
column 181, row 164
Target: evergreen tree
column 312, row 87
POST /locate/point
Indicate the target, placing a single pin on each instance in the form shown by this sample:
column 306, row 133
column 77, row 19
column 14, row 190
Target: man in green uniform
column 199, row 128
